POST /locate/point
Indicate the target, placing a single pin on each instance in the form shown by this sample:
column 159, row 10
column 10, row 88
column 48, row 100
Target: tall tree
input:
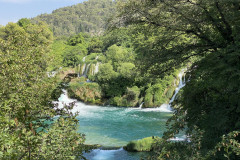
column 208, row 108
column 28, row 129
column 186, row 27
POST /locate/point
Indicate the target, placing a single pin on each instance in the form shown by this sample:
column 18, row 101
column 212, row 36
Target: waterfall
column 83, row 69
column 182, row 83
column 140, row 107
column 84, row 58
column 79, row 70
column 86, row 70
column 92, row 69
column 96, row 68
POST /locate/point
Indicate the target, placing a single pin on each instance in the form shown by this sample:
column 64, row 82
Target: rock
column 142, row 145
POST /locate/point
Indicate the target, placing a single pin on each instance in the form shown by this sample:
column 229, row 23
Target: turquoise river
column 115, row 127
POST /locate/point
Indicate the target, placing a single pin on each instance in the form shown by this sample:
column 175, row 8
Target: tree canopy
column 205, row 32
column 91, row 16
column 28, row 126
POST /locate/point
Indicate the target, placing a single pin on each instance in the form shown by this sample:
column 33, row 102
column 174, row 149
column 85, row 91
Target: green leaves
column 205, row 33
column 90, row 16
column 25, row 99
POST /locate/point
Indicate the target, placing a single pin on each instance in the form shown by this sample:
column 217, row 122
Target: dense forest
column 91, row 16
column 123, row 53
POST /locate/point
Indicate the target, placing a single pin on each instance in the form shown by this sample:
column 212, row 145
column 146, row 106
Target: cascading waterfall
column 96, row 68
column 79, row 70
column 92, row 69
column 140, row 106
column 84, row 58
column 86, row 70
column 83, row 69
column 182, row 83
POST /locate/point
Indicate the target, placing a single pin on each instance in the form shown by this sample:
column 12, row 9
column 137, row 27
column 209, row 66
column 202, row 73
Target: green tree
column 77, row 39
column 24, row 22
column 28, row 129
column 118, row 54
column 90, row 16
column 172, row 32
column 95, row 45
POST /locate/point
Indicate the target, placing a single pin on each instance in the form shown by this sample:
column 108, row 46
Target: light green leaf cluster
column 27, row 126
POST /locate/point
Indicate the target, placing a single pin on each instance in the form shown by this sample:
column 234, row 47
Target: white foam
column 179, row 139
column 96, row 68
column 104, row 154
column 140, row 106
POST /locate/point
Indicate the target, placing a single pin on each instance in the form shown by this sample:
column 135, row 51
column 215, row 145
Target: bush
column 86, row 92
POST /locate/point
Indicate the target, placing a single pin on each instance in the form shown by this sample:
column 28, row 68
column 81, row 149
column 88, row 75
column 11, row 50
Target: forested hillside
column 91, row 16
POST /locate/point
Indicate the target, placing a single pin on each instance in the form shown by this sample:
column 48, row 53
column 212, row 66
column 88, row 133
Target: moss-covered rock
column 86, row 92
column 142, row 145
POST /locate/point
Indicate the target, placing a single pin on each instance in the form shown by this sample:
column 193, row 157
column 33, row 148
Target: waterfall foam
column 96, row 68
column 104, row 154
column 84, row 58
column 86, row 70
column 140, row 106
column 83, row 70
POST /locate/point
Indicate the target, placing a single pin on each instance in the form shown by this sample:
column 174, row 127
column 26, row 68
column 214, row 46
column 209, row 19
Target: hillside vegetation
column 91, row 16
column 137, row 61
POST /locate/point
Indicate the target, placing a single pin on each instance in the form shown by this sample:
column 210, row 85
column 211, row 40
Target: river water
column 115, row 126
column 112, row 126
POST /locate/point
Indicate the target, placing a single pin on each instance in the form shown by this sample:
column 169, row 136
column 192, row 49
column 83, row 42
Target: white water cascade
column 85, row 67
column 99, row 154
column 96, row 68
column 140, row 106
column 83, row 70
column 86, row 70
column 84, row 58
column 167, row 107
column 182, row 83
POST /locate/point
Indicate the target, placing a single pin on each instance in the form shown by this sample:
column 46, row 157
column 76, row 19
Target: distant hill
column 90, row 16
